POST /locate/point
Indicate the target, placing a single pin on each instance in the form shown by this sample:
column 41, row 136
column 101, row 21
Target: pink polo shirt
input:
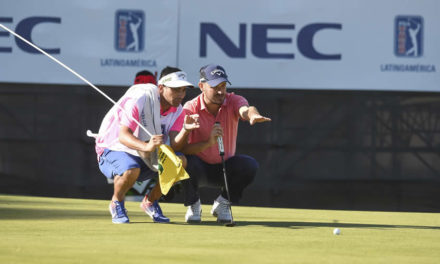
column 133, row 102
column 228, row 117
column 108, row 136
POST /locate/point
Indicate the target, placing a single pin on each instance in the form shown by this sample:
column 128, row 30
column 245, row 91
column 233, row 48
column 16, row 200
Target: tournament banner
column 107, row 42
column 339, row 44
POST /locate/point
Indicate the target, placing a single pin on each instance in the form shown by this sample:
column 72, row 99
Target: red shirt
column 228, row 116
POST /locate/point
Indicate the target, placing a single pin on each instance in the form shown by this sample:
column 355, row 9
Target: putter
column 222, row 153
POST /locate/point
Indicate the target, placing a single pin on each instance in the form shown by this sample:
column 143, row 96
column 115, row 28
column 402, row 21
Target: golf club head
column 230, row 224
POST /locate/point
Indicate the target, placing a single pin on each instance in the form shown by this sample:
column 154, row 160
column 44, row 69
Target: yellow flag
column 170, row 169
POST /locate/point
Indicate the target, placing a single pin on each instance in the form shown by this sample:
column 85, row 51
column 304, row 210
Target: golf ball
column 336, row 231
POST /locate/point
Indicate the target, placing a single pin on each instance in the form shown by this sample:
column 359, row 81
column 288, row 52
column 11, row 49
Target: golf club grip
column 221, row 148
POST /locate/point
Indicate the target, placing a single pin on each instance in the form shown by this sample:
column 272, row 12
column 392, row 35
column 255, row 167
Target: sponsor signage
column 299, row 44
column 129, row 30
column 339, row 44
column 106, row 42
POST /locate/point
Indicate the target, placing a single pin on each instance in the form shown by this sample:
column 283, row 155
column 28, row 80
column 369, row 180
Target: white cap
column 175, row 80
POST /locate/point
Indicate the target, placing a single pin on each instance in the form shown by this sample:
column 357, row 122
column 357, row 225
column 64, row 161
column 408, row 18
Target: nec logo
column 24, row 28
column 408, row 36
column 260, row 40
column 129, row 30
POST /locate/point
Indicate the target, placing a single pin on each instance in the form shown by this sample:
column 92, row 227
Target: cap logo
column 175, row 79
column 218, row 72
column 167, row 79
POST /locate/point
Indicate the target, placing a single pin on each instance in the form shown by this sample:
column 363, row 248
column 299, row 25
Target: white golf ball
column 336, row 231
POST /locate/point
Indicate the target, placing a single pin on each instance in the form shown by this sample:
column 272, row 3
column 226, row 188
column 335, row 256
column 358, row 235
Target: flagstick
column 76, row 74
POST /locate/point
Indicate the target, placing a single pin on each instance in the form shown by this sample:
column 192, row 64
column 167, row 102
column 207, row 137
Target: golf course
column 55, row 230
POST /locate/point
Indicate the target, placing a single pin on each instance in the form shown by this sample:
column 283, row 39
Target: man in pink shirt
column 217, row 113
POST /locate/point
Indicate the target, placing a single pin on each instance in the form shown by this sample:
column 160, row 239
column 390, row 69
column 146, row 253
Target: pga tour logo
column 408, row 36
column 129, row 30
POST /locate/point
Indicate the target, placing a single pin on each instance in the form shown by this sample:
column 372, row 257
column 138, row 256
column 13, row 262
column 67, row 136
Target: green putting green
column 55, row 230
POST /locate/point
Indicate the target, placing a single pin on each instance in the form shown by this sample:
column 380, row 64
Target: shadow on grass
column 298, row 225
column 56, row 214
column 16, row 202
column 204, row 223
column 29, row 213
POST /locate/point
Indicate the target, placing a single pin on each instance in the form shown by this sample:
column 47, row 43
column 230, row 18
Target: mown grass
column 55, row 230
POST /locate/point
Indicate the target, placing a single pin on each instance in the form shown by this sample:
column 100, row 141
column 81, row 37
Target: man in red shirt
column 214, row 105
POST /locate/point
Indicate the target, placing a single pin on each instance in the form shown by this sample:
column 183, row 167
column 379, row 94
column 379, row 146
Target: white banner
column 297, row 44
column 107, row 42
column 303, row 44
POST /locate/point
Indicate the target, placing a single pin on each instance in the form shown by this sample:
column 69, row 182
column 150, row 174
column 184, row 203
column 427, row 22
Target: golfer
column 125, row 153
column 204, row 164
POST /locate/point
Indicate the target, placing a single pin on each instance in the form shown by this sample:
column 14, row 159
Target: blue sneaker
column 118, row 212
column 154, row 211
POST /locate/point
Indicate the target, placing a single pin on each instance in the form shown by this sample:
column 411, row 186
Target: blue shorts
column 112, row 163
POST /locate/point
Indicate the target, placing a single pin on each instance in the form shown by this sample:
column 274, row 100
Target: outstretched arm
column 417, row 29
column 251, row 114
